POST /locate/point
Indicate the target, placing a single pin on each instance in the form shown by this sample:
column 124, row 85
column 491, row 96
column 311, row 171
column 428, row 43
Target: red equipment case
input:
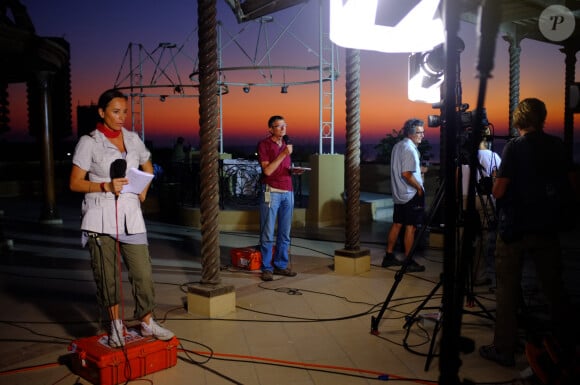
column 95, row 361
column 248, row 258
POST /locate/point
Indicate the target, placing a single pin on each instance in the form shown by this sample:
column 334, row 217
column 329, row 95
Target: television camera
column 466, row 119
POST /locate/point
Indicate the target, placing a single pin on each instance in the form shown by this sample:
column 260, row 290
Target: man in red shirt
column 277, row 199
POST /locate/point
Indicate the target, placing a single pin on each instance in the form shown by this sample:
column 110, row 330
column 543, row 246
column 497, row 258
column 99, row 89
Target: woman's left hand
column 117, row 185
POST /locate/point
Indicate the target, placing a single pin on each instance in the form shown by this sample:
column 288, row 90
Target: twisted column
column 514, row 77
column 352, row 159
column 209, row 157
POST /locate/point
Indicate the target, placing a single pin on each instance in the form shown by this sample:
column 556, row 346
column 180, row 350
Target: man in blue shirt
column 408, row 193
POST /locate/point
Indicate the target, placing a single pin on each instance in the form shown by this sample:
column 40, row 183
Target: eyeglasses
column 420, row 132
column 280, row 126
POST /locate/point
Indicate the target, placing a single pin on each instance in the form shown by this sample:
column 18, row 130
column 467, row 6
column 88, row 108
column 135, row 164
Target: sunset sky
column 100, row 34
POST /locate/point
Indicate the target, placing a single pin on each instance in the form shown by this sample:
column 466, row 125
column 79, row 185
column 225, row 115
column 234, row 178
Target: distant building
column 87, row 118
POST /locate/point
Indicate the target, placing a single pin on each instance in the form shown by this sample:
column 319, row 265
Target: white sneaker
column 117, row 334
column 153, row 329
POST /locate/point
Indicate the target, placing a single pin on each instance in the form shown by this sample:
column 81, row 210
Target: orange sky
column 97, row 58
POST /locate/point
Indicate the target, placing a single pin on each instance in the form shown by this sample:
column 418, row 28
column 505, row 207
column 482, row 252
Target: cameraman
column 531, row 186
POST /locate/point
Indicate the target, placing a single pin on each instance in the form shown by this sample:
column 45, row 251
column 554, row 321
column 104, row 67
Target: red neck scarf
column 107, row 131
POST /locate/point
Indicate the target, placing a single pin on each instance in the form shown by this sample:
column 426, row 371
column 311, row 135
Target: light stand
column 455, row 262
column 453, row 287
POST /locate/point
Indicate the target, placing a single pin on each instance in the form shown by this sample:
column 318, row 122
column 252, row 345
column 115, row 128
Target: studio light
column 246, row 89
column 162, row 98
column 386, row 26
column 426, row 75
column 284, row 89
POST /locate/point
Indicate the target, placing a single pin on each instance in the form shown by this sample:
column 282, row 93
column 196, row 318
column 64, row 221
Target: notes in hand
column 138, row 180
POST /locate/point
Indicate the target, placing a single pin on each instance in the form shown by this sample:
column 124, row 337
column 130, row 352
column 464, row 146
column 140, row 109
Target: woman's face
column 114, row 115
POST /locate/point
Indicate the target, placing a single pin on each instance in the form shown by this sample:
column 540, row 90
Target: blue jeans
column 276, row 212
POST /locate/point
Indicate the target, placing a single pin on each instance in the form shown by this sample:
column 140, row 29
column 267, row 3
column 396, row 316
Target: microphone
column 118, row 170
column 286, row 139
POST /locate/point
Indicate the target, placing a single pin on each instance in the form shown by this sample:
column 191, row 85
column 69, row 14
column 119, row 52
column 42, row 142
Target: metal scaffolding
column 172, row 71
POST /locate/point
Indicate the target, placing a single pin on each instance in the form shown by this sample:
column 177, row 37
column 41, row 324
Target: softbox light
column 426, row 75
column 386, row 25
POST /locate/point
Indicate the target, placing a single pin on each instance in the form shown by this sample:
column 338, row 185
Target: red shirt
column 281, row 178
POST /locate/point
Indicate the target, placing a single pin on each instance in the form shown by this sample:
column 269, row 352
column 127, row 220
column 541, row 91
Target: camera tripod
column 487, row 223
column 470, row 297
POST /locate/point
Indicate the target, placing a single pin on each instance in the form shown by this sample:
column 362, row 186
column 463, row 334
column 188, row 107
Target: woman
column 113, row 222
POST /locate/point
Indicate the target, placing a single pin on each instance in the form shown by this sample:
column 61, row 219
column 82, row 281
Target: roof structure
column 520, row 18
column 23, row 51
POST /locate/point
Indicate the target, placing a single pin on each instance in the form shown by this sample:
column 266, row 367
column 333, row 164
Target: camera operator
column 531, row 185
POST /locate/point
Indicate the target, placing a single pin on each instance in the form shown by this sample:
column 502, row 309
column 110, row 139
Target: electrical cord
column 232, row 357
column 16, row 325
column 331, row 369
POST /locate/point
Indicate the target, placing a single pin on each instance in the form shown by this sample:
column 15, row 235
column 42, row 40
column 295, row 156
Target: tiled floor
column 311, row 329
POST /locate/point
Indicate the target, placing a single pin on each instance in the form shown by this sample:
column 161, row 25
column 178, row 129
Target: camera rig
column 466, row 119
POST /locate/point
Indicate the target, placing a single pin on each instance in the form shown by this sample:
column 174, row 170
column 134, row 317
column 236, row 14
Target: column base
column 352, row 262
column 211, row 300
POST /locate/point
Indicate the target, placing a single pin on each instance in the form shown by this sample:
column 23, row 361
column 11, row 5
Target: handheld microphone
column 286, row 139
column 118, row 170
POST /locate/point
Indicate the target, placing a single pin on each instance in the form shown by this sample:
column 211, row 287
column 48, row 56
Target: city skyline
column 99, row 35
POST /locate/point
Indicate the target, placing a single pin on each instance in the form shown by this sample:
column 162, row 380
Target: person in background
column 408, row 194
column 112, row 222
column 533, row 164
column 276, row 200
column 488, row 164
column 178, row 154
column 178, row 160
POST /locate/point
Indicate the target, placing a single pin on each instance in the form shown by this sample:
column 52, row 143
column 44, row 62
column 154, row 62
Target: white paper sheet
column 138, row 180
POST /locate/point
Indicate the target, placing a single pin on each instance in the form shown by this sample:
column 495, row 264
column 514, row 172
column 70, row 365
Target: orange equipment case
column 95, row 361
column 248, row 258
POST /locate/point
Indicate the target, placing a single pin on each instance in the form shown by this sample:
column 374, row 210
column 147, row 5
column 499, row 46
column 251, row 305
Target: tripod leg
column 430, row 354
column 399, row 275
column 421, row 306
column 375, row 320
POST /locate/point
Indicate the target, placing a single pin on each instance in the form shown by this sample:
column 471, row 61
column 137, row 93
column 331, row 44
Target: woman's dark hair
column 109, row 95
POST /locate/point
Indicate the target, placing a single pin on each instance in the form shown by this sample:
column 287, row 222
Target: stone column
column 514, row 77
column 351, row 259
column 49, row 214
column 209, row 297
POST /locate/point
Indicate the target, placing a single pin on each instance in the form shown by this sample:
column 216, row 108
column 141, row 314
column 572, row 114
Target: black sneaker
column 490, row 352
column 414, row 267
column 286, row 272
column 482, row 282
column 390, row 260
